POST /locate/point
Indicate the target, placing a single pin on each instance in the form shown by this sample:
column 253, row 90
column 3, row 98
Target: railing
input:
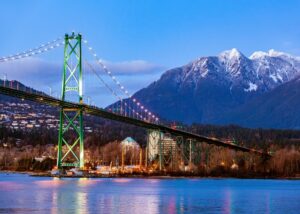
column 93, row 110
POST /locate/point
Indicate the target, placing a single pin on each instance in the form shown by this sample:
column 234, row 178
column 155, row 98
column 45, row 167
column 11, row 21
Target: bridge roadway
column 45, row 99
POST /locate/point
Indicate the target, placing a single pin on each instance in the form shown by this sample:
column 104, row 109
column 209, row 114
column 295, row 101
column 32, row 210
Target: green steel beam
column 160, row 148
column 71, row 117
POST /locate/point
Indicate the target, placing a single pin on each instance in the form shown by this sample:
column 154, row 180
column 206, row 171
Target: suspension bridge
column 127, row 110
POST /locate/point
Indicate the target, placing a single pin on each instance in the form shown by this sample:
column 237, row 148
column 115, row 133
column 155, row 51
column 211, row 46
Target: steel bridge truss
column 71, row 118
column 175, row 151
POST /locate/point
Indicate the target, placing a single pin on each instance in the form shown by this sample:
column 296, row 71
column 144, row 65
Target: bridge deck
column 116, row 117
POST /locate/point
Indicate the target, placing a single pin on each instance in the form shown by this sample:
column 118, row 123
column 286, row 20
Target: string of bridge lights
column 59, row 42
column 35, row 51
column 112, row 91
column 121, row 87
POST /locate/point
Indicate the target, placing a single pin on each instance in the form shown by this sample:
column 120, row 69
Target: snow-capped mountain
column 206, row 89
column 262, row 71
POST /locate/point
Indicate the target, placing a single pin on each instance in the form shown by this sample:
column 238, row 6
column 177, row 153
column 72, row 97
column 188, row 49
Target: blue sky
column 160, row 34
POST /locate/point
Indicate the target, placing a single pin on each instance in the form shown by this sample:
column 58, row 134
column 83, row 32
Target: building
column 129, row 143
column 168, row 146
column 157, row 139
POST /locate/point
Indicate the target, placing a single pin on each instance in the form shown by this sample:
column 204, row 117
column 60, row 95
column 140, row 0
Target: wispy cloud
column 134, row 67
column 37, row 68
column 34, row 72
column 42, row 75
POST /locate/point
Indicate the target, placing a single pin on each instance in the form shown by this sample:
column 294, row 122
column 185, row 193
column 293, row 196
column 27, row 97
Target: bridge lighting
column 113, row 77
column 45, row 49
column 26, row 55
column 142, row 107
column 90, row 48
column 146, row 110
column 122, row 87
column 95, row 55
column 138, row 104
column 51, row 47
column 85, row 41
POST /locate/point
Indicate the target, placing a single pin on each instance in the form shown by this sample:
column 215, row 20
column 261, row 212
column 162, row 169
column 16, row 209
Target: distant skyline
column 141, row 39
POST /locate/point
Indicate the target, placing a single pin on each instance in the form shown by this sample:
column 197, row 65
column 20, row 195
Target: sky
column 140, row 39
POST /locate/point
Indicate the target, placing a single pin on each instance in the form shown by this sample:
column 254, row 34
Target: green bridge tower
column 70, row 139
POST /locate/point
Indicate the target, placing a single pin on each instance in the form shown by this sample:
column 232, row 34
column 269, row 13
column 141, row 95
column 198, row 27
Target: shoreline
column 142, row 176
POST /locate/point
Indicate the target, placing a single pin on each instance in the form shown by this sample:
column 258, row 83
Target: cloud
column 41, row 75
column 32, row 70
column 37, row 68
column 133, row 67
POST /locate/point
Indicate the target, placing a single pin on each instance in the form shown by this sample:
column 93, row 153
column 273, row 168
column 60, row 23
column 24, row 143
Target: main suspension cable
column 111, row 90
column 122, row 88
column 34, row 51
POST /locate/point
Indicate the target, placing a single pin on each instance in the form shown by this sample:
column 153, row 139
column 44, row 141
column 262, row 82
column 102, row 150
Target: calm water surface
column 25, row 194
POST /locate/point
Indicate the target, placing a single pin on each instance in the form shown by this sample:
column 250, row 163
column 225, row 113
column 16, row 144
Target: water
column 25, row 194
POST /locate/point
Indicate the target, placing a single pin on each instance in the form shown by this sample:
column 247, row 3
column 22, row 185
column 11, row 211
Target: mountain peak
column 228, row 88
column 273, row 53
column 231, row 54
column 258, row 55
column 270, row 53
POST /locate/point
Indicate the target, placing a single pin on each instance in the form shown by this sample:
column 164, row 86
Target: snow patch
column 270, row 53
column 273, row 53
column 204, row 74
column 276, row 77
column 230, row 54
column 258, row 54
column 252, row 87
column 273, row 77
column 279, row 77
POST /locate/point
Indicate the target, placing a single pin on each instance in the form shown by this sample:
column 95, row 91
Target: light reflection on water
column 24, row 194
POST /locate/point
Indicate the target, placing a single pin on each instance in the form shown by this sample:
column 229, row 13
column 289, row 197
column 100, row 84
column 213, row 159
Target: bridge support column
column 70, row 141
column 154, row 147
column 197, row 153
column 181, row 144
column 190, row 152
column 146, row 155
column 207, row 159
column 161, row 158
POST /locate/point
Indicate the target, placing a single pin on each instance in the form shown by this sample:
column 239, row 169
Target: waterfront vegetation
column 36, row 151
